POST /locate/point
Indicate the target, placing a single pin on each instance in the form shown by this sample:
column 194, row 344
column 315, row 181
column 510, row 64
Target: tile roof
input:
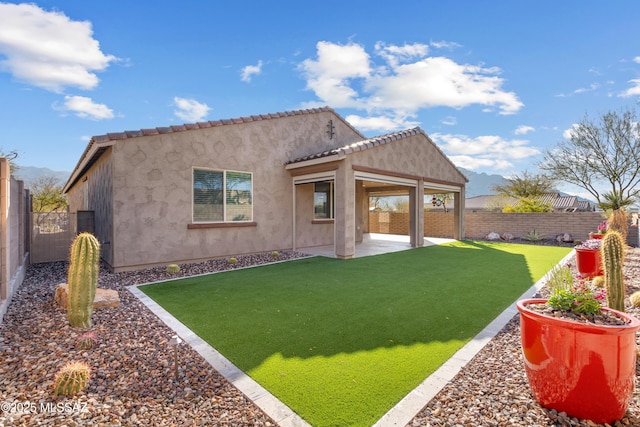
column 362, row 145
column 114, row 136
column 98, row 144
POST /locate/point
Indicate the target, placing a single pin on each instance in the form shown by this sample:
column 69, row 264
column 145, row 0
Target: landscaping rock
column 103, row 298
column 493, row 236
column 132, row 366
column 565, row 237
column 507, row 236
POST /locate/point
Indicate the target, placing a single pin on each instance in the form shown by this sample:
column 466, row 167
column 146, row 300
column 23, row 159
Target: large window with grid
column 222, row 196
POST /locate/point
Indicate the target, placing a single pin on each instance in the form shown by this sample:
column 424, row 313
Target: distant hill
column 30, row 174
column 481, row 184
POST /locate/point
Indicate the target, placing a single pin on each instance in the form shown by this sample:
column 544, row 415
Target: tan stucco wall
column 100, row 200
column 413, row 155
column 152, row 187
column 308, row 232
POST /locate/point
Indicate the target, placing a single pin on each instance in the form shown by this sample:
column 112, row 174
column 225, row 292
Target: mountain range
column 30, row 174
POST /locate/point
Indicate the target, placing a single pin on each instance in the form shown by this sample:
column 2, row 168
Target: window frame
column 225, row 216
column 330, row 200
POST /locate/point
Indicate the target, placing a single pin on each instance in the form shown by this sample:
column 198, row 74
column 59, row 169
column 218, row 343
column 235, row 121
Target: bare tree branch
column 602, row 152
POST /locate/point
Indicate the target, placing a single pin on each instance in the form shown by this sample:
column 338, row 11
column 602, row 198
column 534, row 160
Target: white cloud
column 251, row 70
column 483, row 151
column 445, row 45
column 379, row 123
column 393, row 55
column 85, row 108
column 472, row 163
column 449, row 121
column 637, row 59
column 439, row 81
column 48, row 49
column 345, row 76
column 336, row 66
column 632, row 91
column 190, row 110
column 523, row 130
column 568, row 132
column 591, row 88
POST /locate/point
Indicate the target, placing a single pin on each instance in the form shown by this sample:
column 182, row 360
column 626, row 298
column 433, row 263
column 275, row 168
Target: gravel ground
column 132, row 366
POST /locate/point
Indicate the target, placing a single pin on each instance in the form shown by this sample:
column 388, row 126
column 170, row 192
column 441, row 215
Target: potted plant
column 588, row 258
column 580, row 357
column 602, row 229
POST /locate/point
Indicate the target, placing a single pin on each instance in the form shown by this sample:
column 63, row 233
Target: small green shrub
column 87, row 341
column 71, row 379
column 173, row 268
column 571, row 294
column 533, row 236
column 232, row 261
column 635, row 299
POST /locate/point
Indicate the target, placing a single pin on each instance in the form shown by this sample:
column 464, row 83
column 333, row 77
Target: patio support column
column 345, row 212
column 413, row 214
column 419, row 210
column 458, row 214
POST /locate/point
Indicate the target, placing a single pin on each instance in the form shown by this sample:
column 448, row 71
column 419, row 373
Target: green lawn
column 342, row 341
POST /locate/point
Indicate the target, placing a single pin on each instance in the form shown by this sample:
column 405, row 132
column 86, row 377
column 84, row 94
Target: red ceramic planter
column 589, row 262
column 587, row 371
column 598, row 236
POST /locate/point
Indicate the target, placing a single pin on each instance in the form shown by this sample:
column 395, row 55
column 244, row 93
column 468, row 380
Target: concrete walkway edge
column 273, row 407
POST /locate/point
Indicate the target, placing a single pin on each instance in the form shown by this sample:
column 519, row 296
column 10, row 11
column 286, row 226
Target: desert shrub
column 87, row 341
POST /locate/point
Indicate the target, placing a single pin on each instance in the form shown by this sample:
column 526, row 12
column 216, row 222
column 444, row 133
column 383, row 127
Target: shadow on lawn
column 324, row 307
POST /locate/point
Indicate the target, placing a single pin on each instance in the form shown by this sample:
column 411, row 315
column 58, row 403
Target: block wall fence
column 479, row 224
column 14, row 234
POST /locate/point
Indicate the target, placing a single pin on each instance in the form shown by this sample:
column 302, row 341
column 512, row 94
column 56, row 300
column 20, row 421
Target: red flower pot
column 589, row 262
column 598, row 236
column 585, row 370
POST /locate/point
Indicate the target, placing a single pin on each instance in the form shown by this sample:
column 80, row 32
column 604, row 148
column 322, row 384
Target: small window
column 222, row 196
column 323, row 200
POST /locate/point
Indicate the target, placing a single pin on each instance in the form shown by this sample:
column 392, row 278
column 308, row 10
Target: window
column 323, row 200
column 222, row 196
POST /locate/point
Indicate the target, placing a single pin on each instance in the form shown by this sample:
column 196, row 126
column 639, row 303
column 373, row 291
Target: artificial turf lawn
column 342, row 341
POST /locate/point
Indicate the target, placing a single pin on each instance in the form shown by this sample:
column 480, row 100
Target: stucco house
column 279, row 181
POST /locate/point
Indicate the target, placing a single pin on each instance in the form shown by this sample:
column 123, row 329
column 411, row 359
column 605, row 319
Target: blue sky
column 493, row 83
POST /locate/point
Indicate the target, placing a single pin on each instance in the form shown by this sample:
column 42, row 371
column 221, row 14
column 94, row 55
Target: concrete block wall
column 479, row 224
column 14, row 236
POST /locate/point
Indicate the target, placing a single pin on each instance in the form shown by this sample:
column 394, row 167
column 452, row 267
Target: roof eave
column 91, row 154
column 318, row 161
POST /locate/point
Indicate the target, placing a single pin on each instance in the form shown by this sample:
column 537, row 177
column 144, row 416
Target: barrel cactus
column 612, row 257
column 84, row 263
column 71, row 379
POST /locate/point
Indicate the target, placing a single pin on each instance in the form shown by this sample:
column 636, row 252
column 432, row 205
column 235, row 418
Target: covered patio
column 332, row 189
column 375, row 244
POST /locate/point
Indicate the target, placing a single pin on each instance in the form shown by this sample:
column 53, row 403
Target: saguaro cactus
column 84, row 262
column 613, row 256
